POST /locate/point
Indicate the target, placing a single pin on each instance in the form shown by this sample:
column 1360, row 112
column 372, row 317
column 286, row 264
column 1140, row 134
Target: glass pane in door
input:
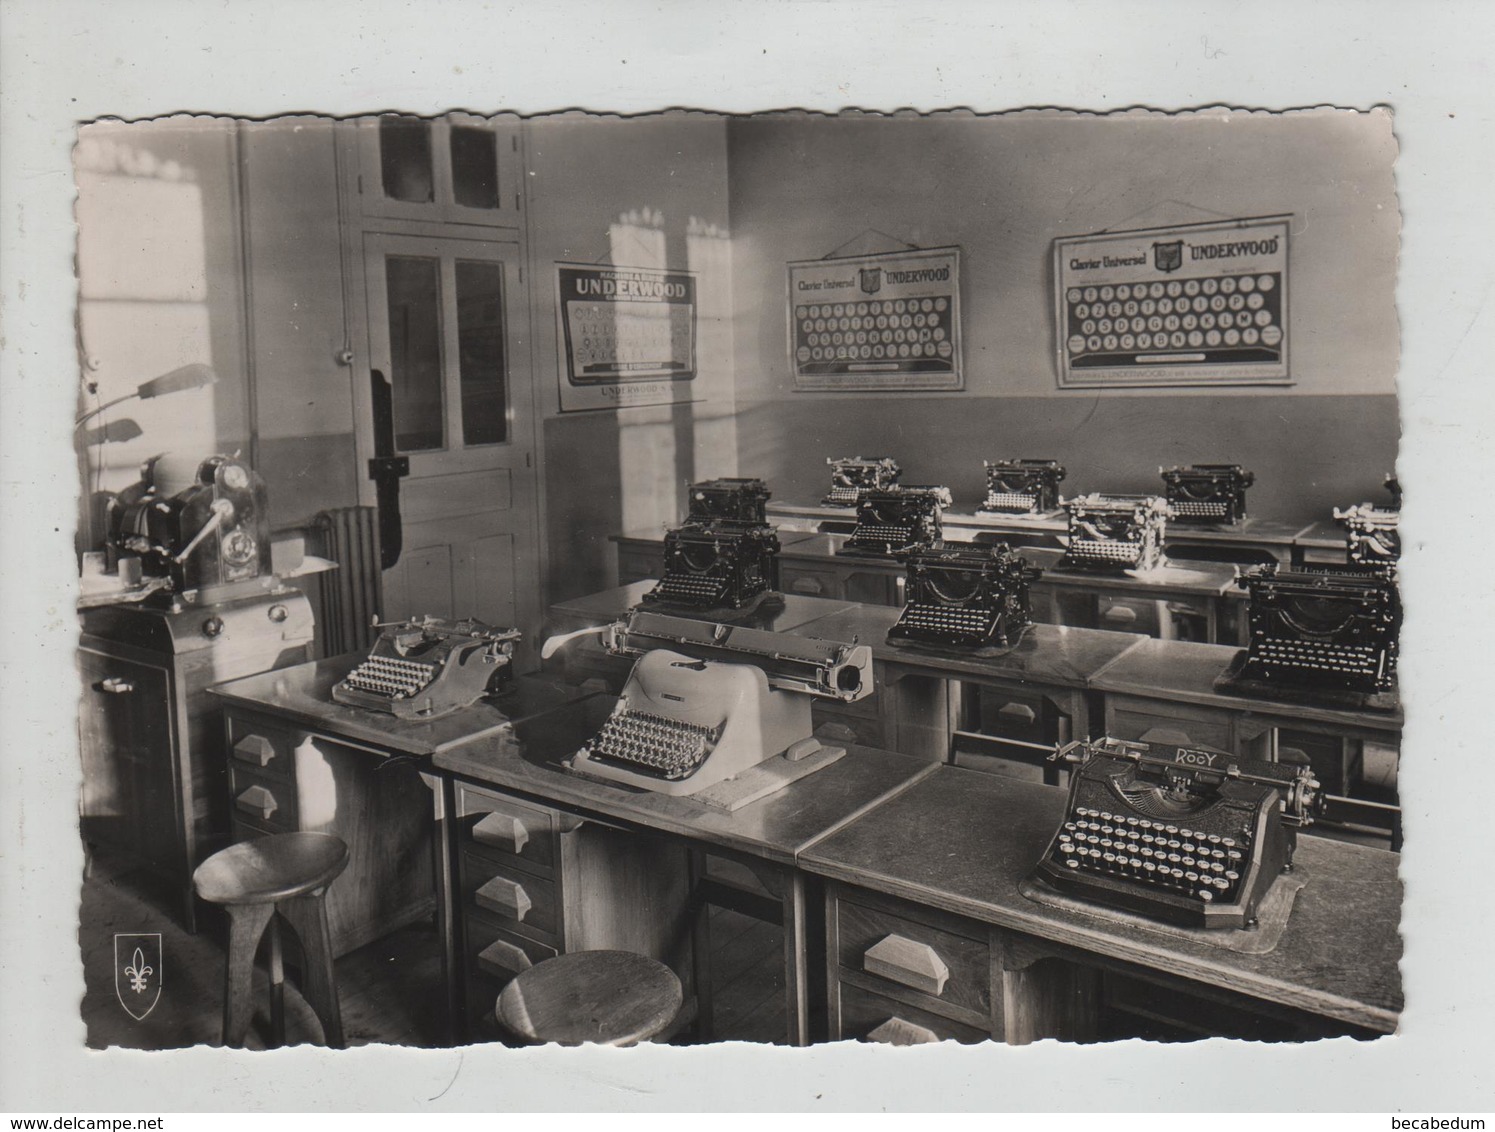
column 414, row 289
column 405, row 159
column 480, row 341
column 474, row 167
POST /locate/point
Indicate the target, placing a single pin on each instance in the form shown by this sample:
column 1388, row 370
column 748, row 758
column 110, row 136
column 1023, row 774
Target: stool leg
column 307, row 915
column 246, row 924
column 277, row 987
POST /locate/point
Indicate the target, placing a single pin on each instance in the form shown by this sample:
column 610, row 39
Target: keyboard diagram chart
column 627, row 334
column 889, row 321
column 1199, row 304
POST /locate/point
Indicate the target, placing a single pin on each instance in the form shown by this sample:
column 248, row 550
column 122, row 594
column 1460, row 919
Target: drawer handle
column 257, row 801
column 116, row 686
column 909, row 962
column 810, row 586
column 504, row 896
column 254, row 749
column 898, row 1032
column 502, row 831
column 1121, row 614
column 503, row 960
column 1020, row 712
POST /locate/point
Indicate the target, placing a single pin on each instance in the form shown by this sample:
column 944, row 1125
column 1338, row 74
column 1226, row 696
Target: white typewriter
column 706, row 702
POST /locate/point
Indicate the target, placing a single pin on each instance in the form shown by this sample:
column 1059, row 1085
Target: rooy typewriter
column 725, row 556
column 852, row 475
column 1022, row 487
column 1115, row 532
column 892, row 522
column 429, row 667
column 1190, row 836
column 1207, row 493
column 1371, row 532
column 965, row 596
column 1322, row 627
column 706, row 702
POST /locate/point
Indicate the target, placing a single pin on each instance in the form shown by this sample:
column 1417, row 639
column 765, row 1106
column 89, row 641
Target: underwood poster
column 1197, row 304
column 627, row 335
column 876, row 322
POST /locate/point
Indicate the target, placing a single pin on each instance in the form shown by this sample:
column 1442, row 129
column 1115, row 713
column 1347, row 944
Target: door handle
column 386, row 469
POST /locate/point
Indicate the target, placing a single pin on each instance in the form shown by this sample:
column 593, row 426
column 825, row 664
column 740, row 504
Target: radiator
column 352, row 595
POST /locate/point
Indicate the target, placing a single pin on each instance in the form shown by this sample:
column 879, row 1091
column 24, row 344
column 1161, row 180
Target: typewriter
column 211, row 540
column 706, row 702
column 729, row 502
column 1115, row 532
column 717, row 567
column 1207, row 493
column 1192, row 837
column 1022, row 487
column 893, row 521
column 1323, row 627
column 965, row 596
column 429, row 667
column 1371, row 532
column 852, row 475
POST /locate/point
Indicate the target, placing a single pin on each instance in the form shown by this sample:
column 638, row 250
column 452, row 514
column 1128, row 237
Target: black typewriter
column 1115, row 532
column 1207, row 493
column 1190, row 836
column 966, row 596
column 1326, row 627
column 1371, row 533
column 725, row 555
column 896, row 520
column 852, row 475
column 1022, row 487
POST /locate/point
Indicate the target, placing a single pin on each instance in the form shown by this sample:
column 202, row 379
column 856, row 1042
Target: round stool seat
column 608, row 997
column 270, row 869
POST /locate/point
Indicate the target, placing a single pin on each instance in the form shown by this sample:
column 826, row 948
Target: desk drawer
column 267, row 749
column 266, row 799
column 942, row 967
column 841, row 726
column 518, row 900
column 497, row 954
column 1184, row 724
column 635, row 563
column 508, row 828
column 866, row 1016
column 809, row 581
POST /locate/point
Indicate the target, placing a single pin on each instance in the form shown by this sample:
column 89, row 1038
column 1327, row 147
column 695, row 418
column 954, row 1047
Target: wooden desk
column 767, row 836
column 940, row 864
column 1006, row 710
column 1324, row 541
column 1166, row 688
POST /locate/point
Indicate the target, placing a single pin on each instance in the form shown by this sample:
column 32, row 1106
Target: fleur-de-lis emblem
column 139, row 971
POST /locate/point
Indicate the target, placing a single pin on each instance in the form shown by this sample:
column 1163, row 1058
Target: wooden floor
column 388, row 990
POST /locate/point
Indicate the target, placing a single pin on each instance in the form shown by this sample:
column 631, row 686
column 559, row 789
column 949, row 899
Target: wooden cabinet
column 283, row 778
column 534, row 882
column 154, row 777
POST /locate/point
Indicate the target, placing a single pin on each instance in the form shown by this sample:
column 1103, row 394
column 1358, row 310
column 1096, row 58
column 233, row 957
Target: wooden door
column 448, row 322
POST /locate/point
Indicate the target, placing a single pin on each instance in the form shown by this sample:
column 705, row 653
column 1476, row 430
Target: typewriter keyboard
column 1200, row 509
column 393, row 677
column 1010, row 501
column 1127, row 552
column 654, row 744
column 842, row 497
column 1355, row 660
column 689, row 589
column 946, row 622
column 878, row 534
column 1206, row 866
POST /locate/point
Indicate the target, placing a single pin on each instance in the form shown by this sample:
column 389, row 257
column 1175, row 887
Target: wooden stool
column 286, row 873
column 613, row 998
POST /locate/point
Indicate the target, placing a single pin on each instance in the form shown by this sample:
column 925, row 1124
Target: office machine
column 966, row 596
column 1022, row 487
column 211, row 539
column 1115, row 532
column 1187, row 835
column 728, row 501
column 893, row 521
column 1371, row 532
column 430, row 667
column 717, row 566
column 1207, row 493
column 1323, row 627
column 852, row 475
column 706, row 702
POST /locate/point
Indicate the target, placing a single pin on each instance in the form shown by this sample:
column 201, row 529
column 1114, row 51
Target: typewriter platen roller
column 1186, row 835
